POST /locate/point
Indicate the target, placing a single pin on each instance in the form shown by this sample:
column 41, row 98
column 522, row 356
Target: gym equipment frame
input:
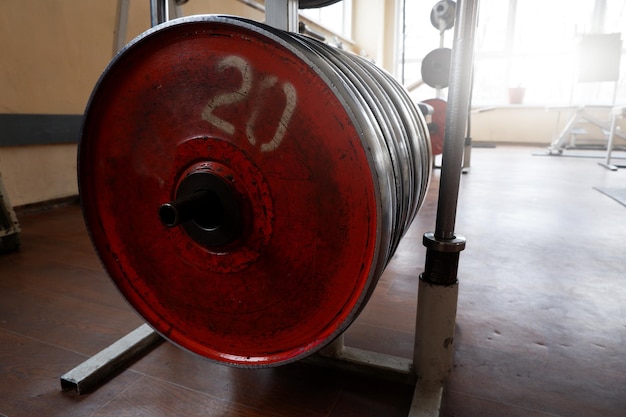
column 438, row 285
column 616, row 113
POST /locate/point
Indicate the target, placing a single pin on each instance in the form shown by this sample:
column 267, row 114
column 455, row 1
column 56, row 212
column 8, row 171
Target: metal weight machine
column 438, row 286
column 599, row 61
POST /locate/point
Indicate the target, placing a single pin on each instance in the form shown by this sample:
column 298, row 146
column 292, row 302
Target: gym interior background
column 55, row 64
column 541, row 324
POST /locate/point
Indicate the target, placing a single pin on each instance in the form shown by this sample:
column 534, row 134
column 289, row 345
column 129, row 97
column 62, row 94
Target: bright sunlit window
column 526, row 43
column 337, row 17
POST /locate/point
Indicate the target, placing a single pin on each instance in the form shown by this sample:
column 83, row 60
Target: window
column 529, row 43
column 337, row 17
column 417, row 38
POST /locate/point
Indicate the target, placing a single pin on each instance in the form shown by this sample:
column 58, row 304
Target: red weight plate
column 214, row 96
column 437, row 127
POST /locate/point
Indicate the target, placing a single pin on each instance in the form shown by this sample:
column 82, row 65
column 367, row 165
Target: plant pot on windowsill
column 516, row 95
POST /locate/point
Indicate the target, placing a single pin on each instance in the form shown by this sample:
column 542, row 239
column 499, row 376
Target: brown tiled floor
column 541, row 325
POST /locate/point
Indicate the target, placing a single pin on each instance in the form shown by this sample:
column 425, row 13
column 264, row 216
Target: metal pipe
column 467, row 155
column 282, row 14
column 456, row 117
column 183, row 209
column 96, row 370
column 438, row 285
column 121, row 25
column 158, row 12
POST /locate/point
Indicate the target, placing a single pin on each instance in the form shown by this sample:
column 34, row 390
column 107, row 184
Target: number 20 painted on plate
column 241, row 94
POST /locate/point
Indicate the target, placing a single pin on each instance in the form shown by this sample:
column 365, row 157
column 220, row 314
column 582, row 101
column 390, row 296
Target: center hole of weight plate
column 209, row 212
column 206, row 207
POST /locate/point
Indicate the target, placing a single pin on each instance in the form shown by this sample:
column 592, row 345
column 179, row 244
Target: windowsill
column 544, row 107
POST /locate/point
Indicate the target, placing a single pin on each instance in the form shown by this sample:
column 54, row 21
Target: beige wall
column 373, row 30
column 48, row 63
column 514, row 124
column 531, row 124
column 49, row 67
column 53, row 53
column 32, row 174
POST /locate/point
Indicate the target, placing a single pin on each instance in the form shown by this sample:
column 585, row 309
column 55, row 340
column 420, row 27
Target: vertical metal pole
column 282, row 14
column 403, row 43
column 467, row 154
column 158, row 12
column 456, row 117
column 121, row 26
column 177, row 6
column 615, row 113
column 438, row 90
column 438, row 286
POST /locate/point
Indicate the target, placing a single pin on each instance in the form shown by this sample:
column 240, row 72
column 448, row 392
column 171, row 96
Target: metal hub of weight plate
column 245, row 203
column 437, row 127
column 443, row 14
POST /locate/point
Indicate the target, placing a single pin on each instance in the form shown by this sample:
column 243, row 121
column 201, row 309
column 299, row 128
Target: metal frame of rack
column 438, row 285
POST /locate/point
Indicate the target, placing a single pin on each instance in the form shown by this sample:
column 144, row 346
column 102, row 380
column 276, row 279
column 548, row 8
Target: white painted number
column 230, row 97
column 281, row 129
column 242, row 93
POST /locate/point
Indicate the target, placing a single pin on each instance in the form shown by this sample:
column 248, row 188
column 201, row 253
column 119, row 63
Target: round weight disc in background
column 442, row 15
column 437, row 127
column 436, row 67
column 263, row 132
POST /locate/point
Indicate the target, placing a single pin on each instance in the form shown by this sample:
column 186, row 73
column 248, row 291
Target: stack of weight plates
column 315, row 162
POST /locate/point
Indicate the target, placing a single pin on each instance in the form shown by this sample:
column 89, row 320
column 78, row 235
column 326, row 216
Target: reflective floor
column 541, row 323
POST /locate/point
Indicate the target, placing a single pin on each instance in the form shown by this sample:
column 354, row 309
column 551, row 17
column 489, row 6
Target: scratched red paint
column 300, row 273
